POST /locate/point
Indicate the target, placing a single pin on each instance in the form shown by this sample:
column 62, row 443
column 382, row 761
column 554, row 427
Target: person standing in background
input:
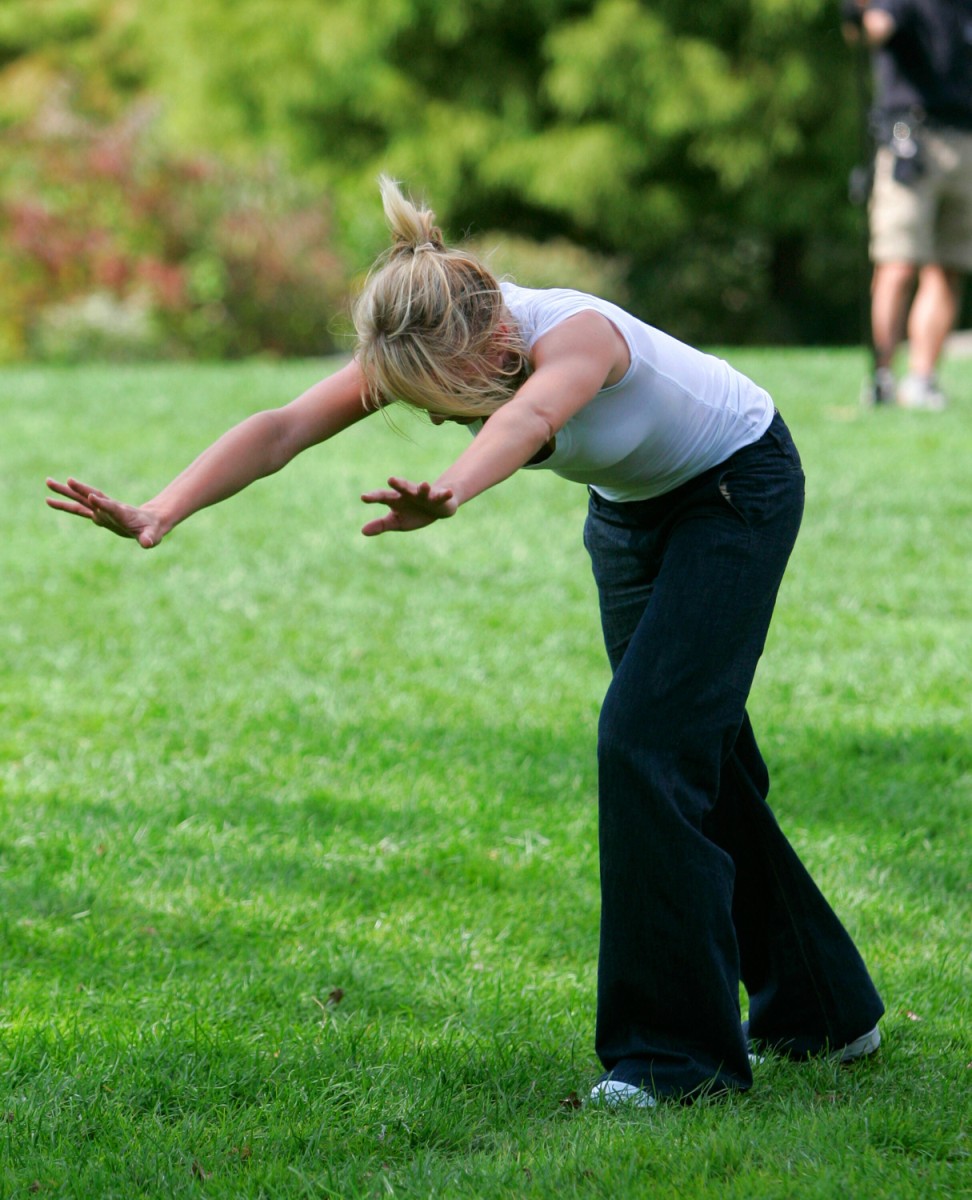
column 921, row 204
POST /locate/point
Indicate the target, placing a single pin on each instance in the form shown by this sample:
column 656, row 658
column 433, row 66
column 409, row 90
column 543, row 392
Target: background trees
column 689, row 159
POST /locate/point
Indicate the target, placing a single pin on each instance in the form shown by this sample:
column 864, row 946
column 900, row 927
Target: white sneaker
column 611, row 1093
column 866, row 1044
column 860, row 1047
column 921, row 392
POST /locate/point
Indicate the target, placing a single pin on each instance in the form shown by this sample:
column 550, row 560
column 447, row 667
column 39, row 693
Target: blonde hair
column 431, row 326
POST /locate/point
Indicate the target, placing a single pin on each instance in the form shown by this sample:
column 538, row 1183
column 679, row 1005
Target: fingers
column 84, row 488
column 60, row 488
column 420, row 491
column 406, row 488
column 381, row 496
column 385, row 524
column 77, row 498
column 75, row 488
column 83, row 498
column 72, row 489
column 411, row 506
column 77, row 510
column 424, row 492
column 397, row 491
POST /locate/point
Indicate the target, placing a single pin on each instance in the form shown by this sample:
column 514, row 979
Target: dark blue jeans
column 699, row 886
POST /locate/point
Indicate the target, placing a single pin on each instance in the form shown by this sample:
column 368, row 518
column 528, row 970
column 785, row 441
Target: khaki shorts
column 930, row 220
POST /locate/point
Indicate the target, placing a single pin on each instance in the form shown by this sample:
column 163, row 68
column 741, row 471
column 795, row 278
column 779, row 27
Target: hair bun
column 404, row 245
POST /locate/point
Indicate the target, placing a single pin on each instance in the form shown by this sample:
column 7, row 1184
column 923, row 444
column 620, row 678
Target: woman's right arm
column 258, row 446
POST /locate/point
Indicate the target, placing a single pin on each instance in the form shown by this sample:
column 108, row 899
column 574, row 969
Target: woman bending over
column 695, row 499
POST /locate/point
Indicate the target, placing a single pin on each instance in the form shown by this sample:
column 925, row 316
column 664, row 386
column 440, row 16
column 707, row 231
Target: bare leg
column 932, row 318
column 890, row 294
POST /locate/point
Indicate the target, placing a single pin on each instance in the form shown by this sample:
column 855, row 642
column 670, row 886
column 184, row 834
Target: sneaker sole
column 612, row 1093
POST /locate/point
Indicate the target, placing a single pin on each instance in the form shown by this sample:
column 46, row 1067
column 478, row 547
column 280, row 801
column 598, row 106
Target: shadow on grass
column 435, row 803
column 423, row 844
column 912, row 785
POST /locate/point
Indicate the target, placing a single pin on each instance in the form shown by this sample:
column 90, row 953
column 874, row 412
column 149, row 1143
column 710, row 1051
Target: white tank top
column 676, row 413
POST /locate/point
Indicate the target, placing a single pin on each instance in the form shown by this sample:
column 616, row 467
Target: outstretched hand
column 410, row 506
column 82, row 500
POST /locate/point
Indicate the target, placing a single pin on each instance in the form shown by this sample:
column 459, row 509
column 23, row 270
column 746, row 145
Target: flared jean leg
column 807, row 984
column 687, row 586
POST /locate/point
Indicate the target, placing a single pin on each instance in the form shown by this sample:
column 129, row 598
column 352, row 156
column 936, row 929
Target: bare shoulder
column 587, row 335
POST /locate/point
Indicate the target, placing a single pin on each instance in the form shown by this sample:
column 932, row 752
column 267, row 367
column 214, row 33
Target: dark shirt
column 926, row 66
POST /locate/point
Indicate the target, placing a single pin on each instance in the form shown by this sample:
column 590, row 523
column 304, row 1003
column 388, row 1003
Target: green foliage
column 547, row 264
column 27, row 26
column 92, row 42
column 115, row 247
column 298, row 866
column 706, row 148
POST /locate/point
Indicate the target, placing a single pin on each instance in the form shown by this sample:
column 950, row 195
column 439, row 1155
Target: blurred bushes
column 115, row 247
column 555, row 263
column 693, row 158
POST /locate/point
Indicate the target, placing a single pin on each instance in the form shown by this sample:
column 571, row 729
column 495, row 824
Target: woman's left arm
column 572, row 363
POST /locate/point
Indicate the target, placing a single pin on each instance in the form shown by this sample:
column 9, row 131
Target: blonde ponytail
column 431, row 327
column 412, row 228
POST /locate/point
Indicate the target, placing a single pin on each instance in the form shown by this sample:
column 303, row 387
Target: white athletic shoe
column 921, row 392
column 612, row 1093
column 860, row 1047
column 866, row 1044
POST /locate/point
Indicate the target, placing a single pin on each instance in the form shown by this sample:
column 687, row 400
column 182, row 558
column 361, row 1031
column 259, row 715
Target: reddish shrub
column 223, row 262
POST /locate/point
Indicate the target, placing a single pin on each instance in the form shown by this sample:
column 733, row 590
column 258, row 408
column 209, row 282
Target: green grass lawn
column 298, row 879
